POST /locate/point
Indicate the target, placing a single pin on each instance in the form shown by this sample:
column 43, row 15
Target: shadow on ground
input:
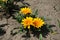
column 2, row 32
column 44, row 30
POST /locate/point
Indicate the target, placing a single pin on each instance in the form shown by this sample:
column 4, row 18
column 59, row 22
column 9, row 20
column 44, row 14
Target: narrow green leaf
column 45, row 19
column 58, row 23
column 19, row 17
column 36, row 12
column 21, row 29
column 54, row 33
column 40, row 36
column 50, row 30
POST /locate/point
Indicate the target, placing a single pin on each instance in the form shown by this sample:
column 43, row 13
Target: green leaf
column 54, row 33
column 20, row 29
column 40, row 36
column 58, row 23
column 45, row 19
column 19, row 17
column 35, row 12
column 49, row 28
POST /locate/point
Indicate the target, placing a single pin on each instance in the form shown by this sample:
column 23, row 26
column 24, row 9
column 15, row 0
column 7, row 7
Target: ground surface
column 47, row 8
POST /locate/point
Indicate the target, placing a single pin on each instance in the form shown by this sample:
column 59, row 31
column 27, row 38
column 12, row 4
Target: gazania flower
column 25, row 10
column 38, row 22
column 27, row 22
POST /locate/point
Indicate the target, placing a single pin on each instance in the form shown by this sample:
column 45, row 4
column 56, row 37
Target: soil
column 50, row 9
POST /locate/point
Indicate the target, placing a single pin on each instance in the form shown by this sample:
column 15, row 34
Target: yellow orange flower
column 27, row 22
column 25, row 10
column 38, row 22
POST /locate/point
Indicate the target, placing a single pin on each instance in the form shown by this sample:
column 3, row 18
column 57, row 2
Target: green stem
column 40, row 36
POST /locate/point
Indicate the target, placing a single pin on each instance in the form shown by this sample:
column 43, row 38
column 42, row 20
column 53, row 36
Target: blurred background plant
column 8, row 8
